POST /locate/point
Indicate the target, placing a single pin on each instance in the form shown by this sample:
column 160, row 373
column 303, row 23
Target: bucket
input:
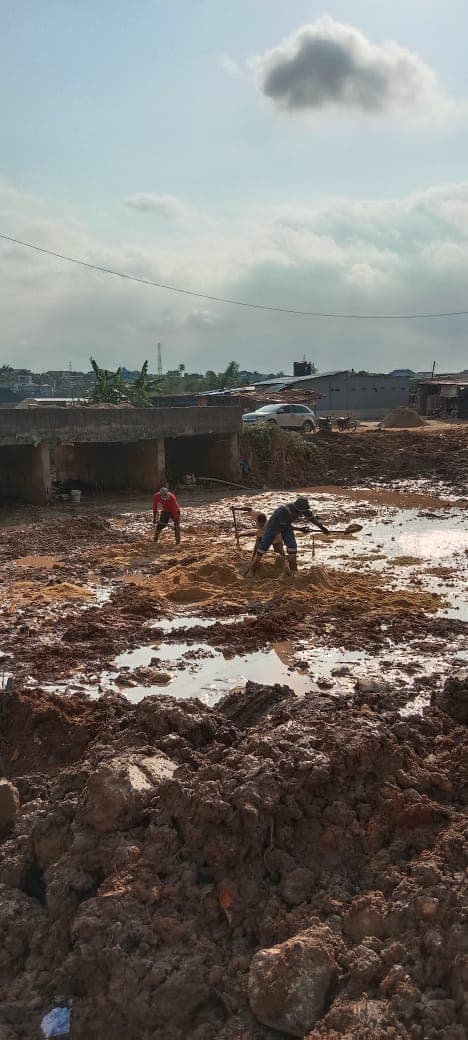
column 75, row 496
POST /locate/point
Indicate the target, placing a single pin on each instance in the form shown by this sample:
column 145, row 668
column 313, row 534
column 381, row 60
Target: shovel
column 235, row 510
column 350, row 529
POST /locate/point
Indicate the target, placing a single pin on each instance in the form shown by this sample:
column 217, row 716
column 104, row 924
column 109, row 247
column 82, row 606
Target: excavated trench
column 235, row 809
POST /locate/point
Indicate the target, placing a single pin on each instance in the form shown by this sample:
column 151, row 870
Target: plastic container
column 75, row 496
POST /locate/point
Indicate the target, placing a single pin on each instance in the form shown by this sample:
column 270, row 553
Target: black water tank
column 302, row 368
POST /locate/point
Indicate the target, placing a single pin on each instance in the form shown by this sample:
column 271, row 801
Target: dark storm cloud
column 328, row 63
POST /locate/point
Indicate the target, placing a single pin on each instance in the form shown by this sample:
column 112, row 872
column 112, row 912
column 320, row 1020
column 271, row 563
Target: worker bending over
column 170, row 510
column 260, row 528
column 280, row 524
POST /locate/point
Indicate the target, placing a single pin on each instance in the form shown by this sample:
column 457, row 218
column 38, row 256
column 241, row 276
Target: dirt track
column 153, row 849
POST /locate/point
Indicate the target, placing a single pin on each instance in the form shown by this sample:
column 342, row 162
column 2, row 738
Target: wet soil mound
column 453, row 697
column 365, row 455
column 49, row 534
column 168, row 869
column 402, row 419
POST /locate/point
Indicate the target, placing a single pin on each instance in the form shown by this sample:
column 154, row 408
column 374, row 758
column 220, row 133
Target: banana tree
column 109, row 387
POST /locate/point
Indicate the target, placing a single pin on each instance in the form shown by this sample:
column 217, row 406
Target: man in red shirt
column 170, row 510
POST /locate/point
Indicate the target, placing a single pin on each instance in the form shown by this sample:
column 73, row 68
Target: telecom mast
column 160, row 371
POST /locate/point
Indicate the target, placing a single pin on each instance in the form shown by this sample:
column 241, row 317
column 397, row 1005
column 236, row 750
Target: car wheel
column 307, row 426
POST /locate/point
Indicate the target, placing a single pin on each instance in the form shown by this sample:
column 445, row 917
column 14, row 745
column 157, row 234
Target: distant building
column 443, row 395
column 363, row 395
column 50, row 402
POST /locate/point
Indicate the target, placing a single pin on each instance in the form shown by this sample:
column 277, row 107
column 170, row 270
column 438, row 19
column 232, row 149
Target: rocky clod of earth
column 275, row 866
column 453, row 698
column 117, row 791
column 289, row 983
column 9, row 805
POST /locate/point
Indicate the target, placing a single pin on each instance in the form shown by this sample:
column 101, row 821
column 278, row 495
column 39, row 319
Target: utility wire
column 224, row 299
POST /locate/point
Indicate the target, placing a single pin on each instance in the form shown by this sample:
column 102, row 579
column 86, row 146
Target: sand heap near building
column 402, row 419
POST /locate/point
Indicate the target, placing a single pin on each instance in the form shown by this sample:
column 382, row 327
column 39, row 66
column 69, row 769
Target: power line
column 224, row 299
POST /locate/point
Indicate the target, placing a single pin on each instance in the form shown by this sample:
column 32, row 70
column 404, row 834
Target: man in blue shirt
column 281, row 522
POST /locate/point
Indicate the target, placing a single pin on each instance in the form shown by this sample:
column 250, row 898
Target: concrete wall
column 25, row 473
column 112, row 425
column 138, row 466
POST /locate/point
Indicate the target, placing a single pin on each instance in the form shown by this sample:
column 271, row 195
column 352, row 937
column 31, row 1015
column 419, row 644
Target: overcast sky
column 285, row 154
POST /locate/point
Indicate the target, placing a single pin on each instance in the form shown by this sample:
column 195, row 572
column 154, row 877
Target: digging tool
column 350, row 529
column 234, row 511
column 300, row 530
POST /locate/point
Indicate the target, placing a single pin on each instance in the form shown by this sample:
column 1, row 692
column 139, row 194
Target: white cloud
column 363, row 276
column 392, row 256
column 168, row 206
column 231, row 66
column 330, row 64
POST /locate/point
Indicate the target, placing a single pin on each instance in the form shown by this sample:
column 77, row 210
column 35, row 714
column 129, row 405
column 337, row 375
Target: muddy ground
column 237, row 809
column 436, row 453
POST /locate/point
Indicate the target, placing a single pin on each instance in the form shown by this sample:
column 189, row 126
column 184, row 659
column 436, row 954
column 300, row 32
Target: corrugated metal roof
column 444, row 382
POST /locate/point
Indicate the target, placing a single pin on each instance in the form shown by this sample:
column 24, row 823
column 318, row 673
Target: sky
column 299, row 156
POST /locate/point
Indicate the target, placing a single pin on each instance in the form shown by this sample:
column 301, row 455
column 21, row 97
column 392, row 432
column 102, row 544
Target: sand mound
column 217, row 571
column 29, row 592
column 313, row 577
column 402, row 419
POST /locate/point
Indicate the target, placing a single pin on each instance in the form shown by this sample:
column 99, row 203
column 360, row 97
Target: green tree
column 211, row 380
column 6, row 375
column 109, row 387
column 230, row 377
column 143, row 388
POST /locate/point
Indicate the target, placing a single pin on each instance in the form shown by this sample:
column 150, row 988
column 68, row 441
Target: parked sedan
column 289, row 416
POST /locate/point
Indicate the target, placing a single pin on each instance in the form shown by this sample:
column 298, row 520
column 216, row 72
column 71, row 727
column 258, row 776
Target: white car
column 289, row 416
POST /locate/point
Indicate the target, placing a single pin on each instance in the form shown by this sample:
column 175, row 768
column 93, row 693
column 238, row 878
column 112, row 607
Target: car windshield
column 267, row 408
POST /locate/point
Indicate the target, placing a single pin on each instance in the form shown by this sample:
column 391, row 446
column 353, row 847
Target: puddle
column 173, row 624
column 435, row 544
column 208, row 677
column 416, row 706
column 203, row 672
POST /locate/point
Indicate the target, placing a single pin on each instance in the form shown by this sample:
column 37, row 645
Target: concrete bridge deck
column 108, row 425
column 114, row 448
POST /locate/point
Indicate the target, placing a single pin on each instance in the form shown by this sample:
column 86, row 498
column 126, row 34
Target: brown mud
column 438, row 454
column 147, row 584
column 274, row 865
column 157, row 848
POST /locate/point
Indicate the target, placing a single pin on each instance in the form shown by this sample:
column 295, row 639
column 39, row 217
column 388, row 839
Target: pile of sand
column 402, row 418
column 20, row 592
column 219, row 577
